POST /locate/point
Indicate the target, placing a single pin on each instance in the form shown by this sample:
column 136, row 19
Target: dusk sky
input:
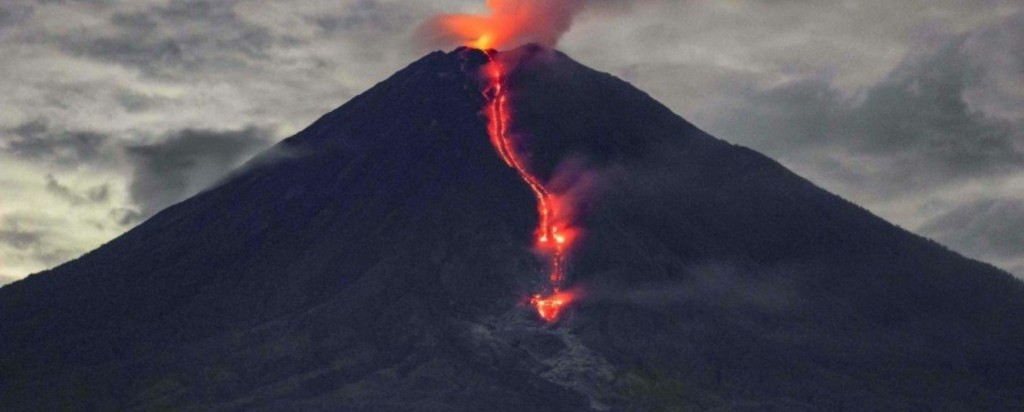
column 112, row 110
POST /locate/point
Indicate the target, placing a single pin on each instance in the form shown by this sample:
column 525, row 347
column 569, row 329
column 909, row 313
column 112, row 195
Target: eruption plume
column 512, row 23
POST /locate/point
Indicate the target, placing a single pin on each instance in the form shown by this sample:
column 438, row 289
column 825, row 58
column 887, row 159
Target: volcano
column 382, row 259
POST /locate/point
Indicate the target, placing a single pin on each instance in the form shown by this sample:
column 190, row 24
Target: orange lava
column 548, row 308
column 511, row 22
column 554, row 234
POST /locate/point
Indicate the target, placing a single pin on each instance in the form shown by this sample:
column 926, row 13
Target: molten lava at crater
column 507, row 23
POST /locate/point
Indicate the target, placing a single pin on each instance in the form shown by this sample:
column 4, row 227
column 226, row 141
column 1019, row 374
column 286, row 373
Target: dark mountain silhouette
column 379, row 259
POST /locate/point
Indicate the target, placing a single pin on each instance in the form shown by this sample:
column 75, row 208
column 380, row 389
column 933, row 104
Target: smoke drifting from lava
column 513, row 23
column 575, row 183
column 722, row 285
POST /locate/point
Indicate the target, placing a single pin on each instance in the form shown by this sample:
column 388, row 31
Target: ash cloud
column 516, row 22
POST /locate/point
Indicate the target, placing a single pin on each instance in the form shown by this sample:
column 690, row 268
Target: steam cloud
column 513, row 22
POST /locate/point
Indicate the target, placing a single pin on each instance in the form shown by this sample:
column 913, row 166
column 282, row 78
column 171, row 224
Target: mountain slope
column 378, row 260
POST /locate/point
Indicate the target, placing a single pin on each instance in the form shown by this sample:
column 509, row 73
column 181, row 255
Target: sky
column 114, row 109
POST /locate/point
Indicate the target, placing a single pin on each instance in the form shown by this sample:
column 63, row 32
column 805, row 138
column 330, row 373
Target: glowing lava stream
column 552, row 237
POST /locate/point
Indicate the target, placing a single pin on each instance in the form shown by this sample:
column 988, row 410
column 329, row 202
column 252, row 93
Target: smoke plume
column 512, row 23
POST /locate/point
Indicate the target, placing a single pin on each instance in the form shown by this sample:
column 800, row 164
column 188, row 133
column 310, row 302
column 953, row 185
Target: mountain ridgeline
column 379, row 260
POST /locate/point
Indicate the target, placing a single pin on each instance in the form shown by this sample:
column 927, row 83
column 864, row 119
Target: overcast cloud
column 115, row 109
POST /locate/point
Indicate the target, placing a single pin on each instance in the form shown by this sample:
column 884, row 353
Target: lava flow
column 511, row 23
column 554, row 235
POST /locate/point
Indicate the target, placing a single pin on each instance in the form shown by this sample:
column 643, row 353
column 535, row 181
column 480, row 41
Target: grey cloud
column 32, row 239
column 37, row 140
column 125, row 216
column 921, row 109
column 186, row 162
column 21, row 239
column 806, row 114
column 367, row 17
column 13, row 15
column 1000, row 48
column 989, row 228
column 174, row 40
column 95, row 194
column 912, row 131
column 134, row 102
column 374, row 33
column 1017, row 270
column 88, row 2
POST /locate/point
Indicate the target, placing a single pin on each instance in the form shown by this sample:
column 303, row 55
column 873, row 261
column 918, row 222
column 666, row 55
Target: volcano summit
column 384, row 258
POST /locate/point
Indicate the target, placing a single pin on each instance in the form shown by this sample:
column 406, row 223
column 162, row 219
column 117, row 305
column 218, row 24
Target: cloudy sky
column 114, row 109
